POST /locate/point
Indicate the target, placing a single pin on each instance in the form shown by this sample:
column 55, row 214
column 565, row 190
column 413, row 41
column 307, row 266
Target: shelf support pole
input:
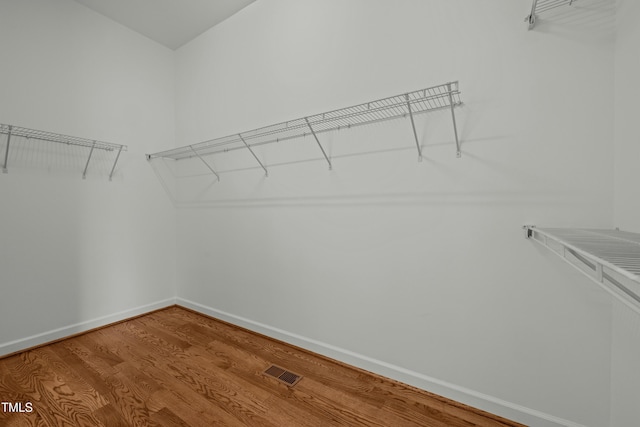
column 84, row 174
column 6, row 152
column 318, row 141
column 205, row 162
column 453, row 117
column 413, row 126
column 114, row 163
column 253, row 154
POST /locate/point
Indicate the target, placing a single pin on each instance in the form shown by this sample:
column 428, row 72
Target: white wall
column 627, row 140
column 417, row 270
column 625, row 393
column 79, row 253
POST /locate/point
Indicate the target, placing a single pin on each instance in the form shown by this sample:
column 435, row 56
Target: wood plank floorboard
column 175, row 367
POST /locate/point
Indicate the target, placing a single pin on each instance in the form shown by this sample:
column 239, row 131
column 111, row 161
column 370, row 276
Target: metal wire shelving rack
column 13, row 132
column 410, row 104
column 541, row 6
column 611, row 258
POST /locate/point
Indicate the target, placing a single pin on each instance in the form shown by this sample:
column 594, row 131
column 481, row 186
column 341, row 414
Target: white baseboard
column 65, row 331
column 464, row 395
column 473, row 398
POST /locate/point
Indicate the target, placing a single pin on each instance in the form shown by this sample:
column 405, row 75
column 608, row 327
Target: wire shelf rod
column 175, row 153
column 351, row 118
column 285, row 138
column 550, row 7
column 40, row 135
column 14, row 132
column 541, row 6
column 398, row 106
column 611, row 258
column 546, row 3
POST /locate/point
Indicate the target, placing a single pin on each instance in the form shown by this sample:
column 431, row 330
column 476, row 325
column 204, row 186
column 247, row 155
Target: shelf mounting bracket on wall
column 531, row 18
column 113, row 168
column 266, row 173
column 84, row 174
column 413, row 126
column 318, row 141
column 453, row 117
column 611, row 258
column 205, row 162
column 6, row 151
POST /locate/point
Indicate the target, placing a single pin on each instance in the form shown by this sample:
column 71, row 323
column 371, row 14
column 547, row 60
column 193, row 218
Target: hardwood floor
column 175, row 367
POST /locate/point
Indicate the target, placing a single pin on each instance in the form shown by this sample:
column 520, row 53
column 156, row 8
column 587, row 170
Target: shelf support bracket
column 115, row 163
column 531, row 18
column 266, row 173
column 528, row 231
column 84, row 174
column 204, row 161
column 599, row 272
column 318, row 141
column 453, row 117
column 6, row 152
column 413, row 126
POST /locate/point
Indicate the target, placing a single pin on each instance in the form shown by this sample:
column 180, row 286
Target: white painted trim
column 464, row 395
column 65, row 331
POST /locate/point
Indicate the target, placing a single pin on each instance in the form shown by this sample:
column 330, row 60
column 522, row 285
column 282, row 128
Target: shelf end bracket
column 115, row 163
column 531, row 18
column 84, row 174
column 413, row 126
column 528, row 231
column 318, row 141
column 266, row 173
column 453, row 117
column 6, row 151
column 204, row 161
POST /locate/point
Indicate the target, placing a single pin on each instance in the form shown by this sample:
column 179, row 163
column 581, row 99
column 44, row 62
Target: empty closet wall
column 627, row 142
column 626, row 324
column 417, row 270
column 77, row 253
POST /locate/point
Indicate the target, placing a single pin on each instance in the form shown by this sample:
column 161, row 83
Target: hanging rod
column 611, row 258
column 541, row 6
column 20, row 132
column 442, row 97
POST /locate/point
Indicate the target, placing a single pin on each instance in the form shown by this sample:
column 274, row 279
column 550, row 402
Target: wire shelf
column 445, row 96
column 609, row 257
column 541, row 6
column 33, row 134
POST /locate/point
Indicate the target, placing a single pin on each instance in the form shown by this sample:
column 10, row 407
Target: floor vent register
column 287, row 377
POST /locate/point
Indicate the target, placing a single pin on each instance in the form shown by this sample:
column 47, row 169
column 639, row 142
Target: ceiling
column 172, row 23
